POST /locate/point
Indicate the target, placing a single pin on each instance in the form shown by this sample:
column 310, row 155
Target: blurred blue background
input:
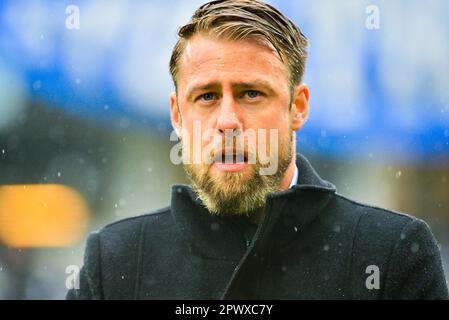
column 92, row 103
column 378, row 91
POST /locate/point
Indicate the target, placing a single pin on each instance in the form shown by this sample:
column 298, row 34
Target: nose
column 228, row 118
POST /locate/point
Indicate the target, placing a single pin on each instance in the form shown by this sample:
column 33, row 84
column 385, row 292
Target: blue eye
column 252, row 94
column 208, row 96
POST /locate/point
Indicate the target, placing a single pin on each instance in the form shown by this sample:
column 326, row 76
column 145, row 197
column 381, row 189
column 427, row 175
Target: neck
column 290, row 172
column 288, row 176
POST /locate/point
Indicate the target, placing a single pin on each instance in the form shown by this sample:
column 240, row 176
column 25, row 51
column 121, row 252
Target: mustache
column 230, row 155
column 222, row 154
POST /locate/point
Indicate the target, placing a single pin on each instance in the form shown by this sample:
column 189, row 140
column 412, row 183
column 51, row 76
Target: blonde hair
column 245, row 19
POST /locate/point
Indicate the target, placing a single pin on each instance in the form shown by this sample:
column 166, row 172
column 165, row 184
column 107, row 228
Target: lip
column 230, row 160
column 230, row 167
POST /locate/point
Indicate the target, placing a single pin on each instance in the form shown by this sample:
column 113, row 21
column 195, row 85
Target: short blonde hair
column 245, row 19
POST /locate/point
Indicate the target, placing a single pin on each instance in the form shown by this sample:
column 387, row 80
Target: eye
column 208, row 96
column 253, row 94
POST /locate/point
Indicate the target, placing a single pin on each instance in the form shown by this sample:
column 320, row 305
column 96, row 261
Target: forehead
column 206, row 58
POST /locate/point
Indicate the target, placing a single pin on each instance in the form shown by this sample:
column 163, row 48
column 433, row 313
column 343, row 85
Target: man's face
column 233, row 105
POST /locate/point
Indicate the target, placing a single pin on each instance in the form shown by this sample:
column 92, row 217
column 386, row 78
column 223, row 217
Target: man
column 258, row 222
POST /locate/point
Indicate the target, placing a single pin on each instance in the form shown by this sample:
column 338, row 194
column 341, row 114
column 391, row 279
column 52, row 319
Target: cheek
column 274, row 115
column 279, row 122
column 201, row 128
column 275, row 133
column 198, row 137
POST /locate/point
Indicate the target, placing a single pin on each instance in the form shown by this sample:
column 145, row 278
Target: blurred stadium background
column 84, row 119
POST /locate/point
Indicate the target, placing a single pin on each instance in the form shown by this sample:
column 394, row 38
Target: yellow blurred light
column 41, row 215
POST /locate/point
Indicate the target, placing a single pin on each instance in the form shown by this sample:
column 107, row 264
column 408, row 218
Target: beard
column 239, row 193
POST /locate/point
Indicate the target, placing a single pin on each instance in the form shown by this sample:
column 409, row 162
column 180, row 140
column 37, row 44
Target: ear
column 299, row 110
column 175, row 114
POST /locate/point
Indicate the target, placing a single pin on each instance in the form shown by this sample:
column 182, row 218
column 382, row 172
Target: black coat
column 312, row 244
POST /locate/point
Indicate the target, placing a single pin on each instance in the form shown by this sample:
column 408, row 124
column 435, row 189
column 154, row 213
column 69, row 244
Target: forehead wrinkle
column 212, row 66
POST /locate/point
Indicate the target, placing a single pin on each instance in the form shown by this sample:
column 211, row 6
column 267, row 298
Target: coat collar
column 287, row 214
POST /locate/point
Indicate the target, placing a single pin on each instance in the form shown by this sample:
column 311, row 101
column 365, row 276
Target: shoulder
column 122, row 241
column 126, row 234
column 400, row 246
column 113, row 253
column 136, row 222
column 372, row 220
column 386, row 232
column 378, row 230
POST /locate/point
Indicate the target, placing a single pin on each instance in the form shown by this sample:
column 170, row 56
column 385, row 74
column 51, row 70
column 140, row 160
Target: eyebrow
column 237, row 85
column 199, row 88
column 252, row 85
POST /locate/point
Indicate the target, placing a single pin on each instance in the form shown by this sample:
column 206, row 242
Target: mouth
column 230, row 156
column 230, row 160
